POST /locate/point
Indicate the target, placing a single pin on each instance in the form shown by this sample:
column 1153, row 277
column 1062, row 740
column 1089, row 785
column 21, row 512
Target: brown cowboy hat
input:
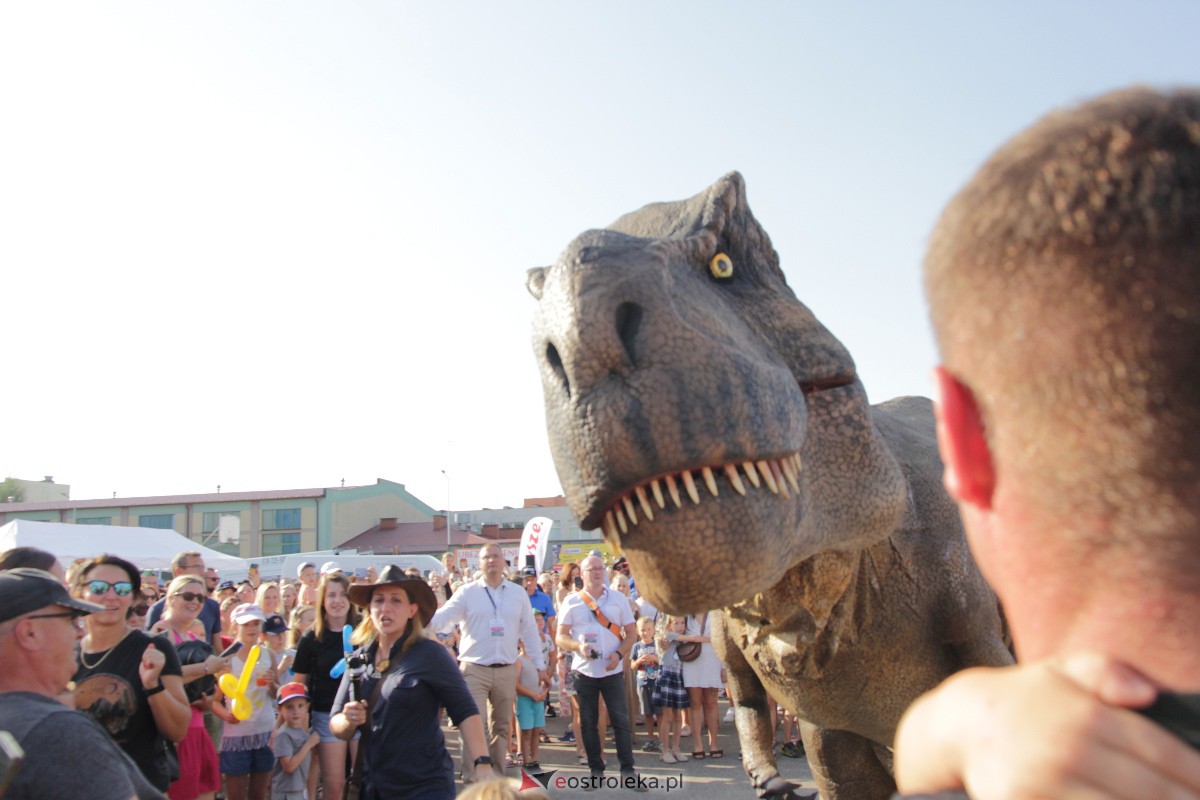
column 391, row 575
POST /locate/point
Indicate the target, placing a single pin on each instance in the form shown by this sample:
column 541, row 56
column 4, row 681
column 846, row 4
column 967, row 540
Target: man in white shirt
column 598, row 626
column 492, row 613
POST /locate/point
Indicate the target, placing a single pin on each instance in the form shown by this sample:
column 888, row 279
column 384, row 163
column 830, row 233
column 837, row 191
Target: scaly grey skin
column 718, row 433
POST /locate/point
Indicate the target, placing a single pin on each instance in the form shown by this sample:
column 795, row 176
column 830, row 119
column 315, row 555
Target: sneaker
column 792, row 750
column 594, row 783
column 680, row 757
column 629, row 780
column 569, row 736
column 686, row 730
column 667, row 758
column 550, row 712
column 729, row 715
column 652, row 747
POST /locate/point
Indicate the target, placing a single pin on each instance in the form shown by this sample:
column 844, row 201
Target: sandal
column 717, row 754
column 698, row 755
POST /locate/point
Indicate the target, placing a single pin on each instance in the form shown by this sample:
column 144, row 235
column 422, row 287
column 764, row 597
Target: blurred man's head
column 1064, row 289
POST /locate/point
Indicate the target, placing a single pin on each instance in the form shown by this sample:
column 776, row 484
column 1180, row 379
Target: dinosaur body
column 719, row 435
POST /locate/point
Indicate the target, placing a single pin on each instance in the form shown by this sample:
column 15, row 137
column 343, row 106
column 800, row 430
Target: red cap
column 290, row 691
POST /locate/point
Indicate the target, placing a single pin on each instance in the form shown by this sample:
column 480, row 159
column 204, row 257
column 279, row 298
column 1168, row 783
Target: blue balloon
column 347, row 647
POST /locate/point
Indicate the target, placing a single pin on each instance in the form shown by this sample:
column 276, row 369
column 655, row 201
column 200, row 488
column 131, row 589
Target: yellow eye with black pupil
column 721, row 266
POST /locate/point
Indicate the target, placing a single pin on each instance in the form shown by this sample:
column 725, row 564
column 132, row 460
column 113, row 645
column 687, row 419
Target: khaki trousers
column 495, row 693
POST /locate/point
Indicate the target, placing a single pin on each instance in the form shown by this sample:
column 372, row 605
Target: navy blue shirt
column 405, row 750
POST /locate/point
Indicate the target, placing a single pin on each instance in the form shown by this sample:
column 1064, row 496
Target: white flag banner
column 534, row 541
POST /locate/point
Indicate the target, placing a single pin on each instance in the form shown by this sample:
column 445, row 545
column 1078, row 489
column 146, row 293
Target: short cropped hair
column 1064, row 289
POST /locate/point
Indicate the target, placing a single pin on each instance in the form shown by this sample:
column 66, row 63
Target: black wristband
column 483, row 760
column 156, row 689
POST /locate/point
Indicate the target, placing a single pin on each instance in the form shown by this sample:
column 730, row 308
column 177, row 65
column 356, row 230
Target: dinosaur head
column 698, row 413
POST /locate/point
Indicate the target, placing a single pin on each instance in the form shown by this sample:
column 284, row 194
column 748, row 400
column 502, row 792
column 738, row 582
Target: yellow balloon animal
column 235, row 688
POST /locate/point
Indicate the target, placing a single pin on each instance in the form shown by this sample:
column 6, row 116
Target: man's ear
column 968, row 473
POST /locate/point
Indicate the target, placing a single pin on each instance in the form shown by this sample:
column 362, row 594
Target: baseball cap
column 529, row 572
column 290, row 691
column 274, row 624
column 246, row 612
column 300, row 569
column 330, row 566
column 25, row 589
column 226, row 585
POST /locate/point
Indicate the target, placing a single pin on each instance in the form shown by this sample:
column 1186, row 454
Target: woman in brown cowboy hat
column 409, row 678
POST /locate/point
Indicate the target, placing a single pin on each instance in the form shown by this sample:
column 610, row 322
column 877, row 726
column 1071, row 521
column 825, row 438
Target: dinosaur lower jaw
column 779, row 476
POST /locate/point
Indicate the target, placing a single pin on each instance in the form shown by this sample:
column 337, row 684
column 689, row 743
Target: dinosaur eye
column 721, row 266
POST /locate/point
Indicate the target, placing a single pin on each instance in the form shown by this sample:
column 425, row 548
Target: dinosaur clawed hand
column 777, row 788
column 776, row 474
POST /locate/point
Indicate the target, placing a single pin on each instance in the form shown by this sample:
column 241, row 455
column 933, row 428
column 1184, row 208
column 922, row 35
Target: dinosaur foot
column 776, row 788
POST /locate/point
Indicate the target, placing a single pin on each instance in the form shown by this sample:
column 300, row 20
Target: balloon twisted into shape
column 235, row 688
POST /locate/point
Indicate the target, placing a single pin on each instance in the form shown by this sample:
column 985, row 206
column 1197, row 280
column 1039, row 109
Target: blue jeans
column 587, row 692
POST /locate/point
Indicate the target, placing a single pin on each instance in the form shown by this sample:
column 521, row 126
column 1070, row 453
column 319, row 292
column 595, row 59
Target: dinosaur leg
column 846, row 765
column 752, row 716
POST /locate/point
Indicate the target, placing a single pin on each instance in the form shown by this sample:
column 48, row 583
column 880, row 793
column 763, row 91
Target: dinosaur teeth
column 625, row 501
column 673, row 489
column 778, row 473
column 789, row 471
column 610, row 529
column 644, row 502
column 732, row 474
column 781, row 476
column 748, row 466
column 658, row 496
column 765, row 471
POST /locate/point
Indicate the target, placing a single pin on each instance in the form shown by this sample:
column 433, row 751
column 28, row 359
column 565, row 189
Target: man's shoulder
column 569, row 603
column 28, row 714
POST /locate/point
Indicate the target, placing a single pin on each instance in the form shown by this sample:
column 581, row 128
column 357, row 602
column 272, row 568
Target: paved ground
column 708, row 779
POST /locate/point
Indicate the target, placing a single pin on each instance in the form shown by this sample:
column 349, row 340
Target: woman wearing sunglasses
column 128, row 681
column 199, row 770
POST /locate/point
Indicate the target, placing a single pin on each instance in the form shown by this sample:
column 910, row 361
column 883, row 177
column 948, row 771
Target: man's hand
column 1050, row 729
column 612, row 660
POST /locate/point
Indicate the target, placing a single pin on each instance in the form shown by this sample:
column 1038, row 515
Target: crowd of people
column 323, row 695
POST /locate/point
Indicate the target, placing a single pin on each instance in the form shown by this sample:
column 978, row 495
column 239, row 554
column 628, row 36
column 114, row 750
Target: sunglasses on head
column 190, row 597
column 122, row 588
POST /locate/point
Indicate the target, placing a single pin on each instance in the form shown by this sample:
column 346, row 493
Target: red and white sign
column 534, row 541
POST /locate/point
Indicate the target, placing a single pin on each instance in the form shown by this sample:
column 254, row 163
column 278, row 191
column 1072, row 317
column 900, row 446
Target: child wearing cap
column 246, row 757
column 294, row 744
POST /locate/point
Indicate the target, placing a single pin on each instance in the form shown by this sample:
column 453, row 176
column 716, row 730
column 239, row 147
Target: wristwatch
column 483, row 760
column 156, row 689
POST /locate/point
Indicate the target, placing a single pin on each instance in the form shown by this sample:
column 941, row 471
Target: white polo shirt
column 588, row 631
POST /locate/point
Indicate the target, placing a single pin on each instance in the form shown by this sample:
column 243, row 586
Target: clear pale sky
column 278, row 245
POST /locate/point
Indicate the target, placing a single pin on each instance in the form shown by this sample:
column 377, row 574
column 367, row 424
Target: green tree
column 10, row 488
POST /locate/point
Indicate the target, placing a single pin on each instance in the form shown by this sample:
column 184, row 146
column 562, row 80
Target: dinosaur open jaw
column 779, row 476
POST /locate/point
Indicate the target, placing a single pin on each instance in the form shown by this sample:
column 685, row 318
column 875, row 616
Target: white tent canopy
column 148, row 548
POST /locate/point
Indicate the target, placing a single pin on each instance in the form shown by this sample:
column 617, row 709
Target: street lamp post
column 448, row 542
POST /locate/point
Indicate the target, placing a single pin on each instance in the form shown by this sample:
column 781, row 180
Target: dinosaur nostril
column 556, row 364
column 629, row 320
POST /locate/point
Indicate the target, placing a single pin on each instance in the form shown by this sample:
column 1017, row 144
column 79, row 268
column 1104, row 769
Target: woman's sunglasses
column 139, row 610
column 190, row 597
column 122, row 588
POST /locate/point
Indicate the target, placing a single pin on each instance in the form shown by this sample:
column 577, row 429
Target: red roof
column 413, row 537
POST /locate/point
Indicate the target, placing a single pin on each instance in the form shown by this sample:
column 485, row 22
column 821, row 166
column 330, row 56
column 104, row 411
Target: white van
column 349, row 564
column 272, row 568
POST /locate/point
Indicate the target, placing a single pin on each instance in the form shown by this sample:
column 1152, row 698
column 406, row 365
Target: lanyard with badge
column 496, row 624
